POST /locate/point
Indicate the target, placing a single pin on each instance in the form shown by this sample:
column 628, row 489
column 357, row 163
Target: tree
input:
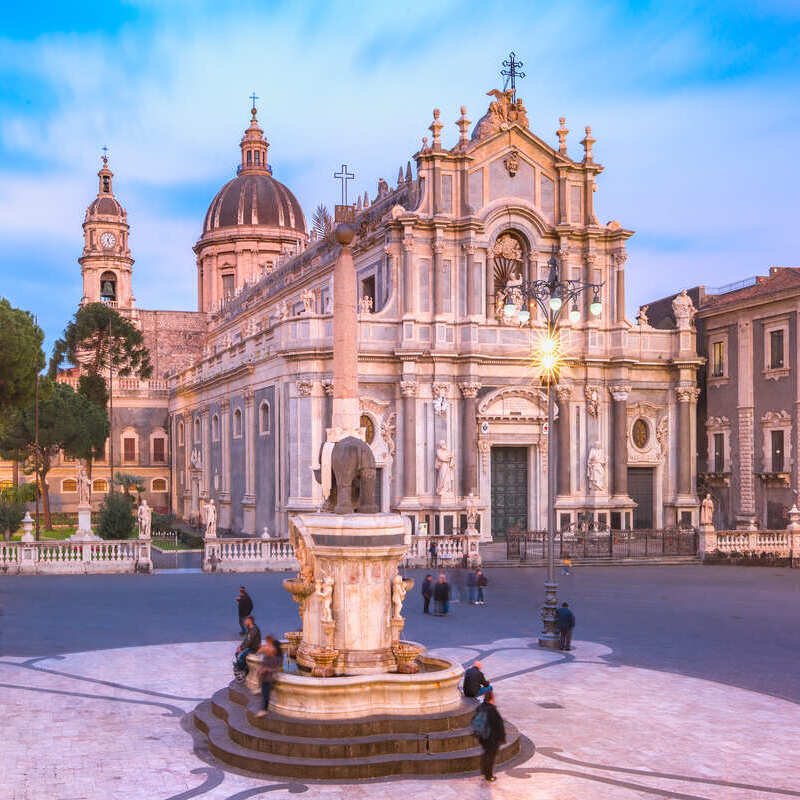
column 128, row 482
column 98, row 338
column 12, row 506
column 322, row 222
column 68, row 421
column 116, row 517
column 21, row 357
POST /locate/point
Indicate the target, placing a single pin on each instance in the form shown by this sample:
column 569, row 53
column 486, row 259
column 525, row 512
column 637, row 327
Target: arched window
column 158, row 447
column 108, row 286
column 196, row 438
column 215, row 428
column 264, row 418
column 130, row 446
column 158, row 485
column 180, row 432
column 69, row 485
column 99, row 485
column 257, row 158
column 237, row 424
column 249, row 157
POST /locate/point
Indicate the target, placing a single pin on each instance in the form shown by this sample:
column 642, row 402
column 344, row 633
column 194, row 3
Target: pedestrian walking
column 427, row 593
column 565, row 622
column 475, row 683
column 271, row 663
column 441, row 596
column 472, row 587
column 458, row 585
column 488, row 726
column 244, row 608
column 482, row 582
column 432, row 554
column 565, row 566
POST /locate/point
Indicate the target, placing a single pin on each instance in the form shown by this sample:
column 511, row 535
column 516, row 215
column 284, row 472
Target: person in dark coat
column 250, row 644
column 481, row 581
column 441, row 596
column 427, row 593
column 565, row 622
column 491, row 733
column 432, row 552
column 475, row 683
column 244, row 605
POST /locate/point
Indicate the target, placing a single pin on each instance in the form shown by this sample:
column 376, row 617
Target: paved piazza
column 683, row 683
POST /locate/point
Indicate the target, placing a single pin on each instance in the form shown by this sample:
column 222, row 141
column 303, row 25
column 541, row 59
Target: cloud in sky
column 695, row 114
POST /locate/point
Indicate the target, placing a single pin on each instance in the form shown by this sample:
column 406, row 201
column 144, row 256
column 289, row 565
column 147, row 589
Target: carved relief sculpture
column 365, row 304
column 399, row 591
column 596, row 468
column 511, row 163
column 441, row 403
column 592, row 396
column 445, row 467
column 308, row 301
column 324, row 590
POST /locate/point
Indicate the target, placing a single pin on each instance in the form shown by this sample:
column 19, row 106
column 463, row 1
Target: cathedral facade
column 450, row 400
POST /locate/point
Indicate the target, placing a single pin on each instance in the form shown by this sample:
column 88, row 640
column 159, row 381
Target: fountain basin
column 434, row 689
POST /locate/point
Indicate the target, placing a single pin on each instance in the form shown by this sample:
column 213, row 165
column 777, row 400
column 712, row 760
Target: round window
column 369, row 428
column 641, row 433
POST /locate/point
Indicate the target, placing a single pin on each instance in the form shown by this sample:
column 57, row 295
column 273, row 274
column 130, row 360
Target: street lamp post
column 551, row 296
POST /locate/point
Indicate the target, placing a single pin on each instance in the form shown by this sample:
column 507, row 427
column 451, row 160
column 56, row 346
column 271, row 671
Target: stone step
column 243, row 729
column 337, row 728
column 237, row 738
column 377, row 766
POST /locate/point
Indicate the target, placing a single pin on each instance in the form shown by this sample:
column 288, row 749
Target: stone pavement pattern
column 113, row 724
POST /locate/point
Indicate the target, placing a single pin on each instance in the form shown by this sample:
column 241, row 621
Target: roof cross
column 105, row 154
column 513, row 72
column 254, row 97
column 344, row 176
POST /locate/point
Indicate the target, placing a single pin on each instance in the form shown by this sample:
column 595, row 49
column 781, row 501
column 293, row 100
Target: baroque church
column 242, row 390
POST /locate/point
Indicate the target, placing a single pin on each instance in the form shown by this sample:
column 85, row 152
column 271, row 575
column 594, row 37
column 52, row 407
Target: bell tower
column 106, row 263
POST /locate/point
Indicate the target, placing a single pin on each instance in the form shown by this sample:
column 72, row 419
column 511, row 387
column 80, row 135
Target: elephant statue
column 353, row 478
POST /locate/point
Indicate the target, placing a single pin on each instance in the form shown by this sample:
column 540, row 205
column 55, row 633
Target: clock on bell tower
column 106, row 263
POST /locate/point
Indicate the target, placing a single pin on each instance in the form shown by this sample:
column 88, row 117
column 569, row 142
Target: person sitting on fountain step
column 271, row 663
column 250, row 643
column 475, row 683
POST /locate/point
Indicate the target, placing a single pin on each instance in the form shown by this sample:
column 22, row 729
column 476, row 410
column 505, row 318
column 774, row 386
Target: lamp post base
column 549, row 636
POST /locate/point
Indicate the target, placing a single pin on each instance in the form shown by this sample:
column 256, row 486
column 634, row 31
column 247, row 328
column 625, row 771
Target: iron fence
column 532, row 545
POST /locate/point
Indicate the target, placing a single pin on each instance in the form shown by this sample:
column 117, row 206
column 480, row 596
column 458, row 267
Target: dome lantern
column 254, row 147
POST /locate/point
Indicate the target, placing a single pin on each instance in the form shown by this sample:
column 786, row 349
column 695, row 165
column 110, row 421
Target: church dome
column 254, row 197
column 105, row 205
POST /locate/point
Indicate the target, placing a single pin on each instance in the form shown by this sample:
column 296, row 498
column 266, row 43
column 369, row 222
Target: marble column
column 563, row 394
column 562, row 197
column 619, row 260
column 205, row 458
column 745, row 501
column 686, row 396
column 469, row 437
column 327, row 386
column 249, row 499
column 619, row 395
column 408, row 389
column 471, row 288
column 224, row 521
column 187, row 465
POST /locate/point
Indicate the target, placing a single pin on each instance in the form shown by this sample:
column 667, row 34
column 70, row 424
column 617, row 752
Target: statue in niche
column 308, row 301
column 707, row 510
column 84, row 487
column 324, row 591
column 399, row 591
column 596, row 468
column 445, row 467
column 145, row 517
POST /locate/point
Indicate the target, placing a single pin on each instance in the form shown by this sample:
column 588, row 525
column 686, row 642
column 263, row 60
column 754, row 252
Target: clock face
column 108, row 240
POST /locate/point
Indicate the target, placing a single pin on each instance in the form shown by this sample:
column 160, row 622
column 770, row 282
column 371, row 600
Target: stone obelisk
column 346, row 414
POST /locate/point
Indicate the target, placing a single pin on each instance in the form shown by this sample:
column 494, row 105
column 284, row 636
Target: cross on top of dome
column 254, row 144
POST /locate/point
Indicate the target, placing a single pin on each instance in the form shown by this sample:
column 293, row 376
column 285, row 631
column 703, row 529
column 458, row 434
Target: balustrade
column 123, row 555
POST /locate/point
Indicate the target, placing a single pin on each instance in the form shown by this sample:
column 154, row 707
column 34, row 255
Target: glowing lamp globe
column 509, row 309
column 524, row 316
column 596, row 308
column 574, row 315
column 555, row 303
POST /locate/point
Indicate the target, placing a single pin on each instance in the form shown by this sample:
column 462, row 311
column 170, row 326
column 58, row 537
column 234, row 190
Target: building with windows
column 450, row 400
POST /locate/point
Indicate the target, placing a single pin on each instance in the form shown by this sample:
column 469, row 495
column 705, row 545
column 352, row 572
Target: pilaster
column 249, row 499
column 469, row 436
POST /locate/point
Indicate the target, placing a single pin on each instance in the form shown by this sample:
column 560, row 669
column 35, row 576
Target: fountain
column 354, row 700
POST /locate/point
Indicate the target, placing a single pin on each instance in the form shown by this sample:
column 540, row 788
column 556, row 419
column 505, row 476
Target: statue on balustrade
column 707, row 510
column 145, row 516
column 84, row 487
column 210, row 517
